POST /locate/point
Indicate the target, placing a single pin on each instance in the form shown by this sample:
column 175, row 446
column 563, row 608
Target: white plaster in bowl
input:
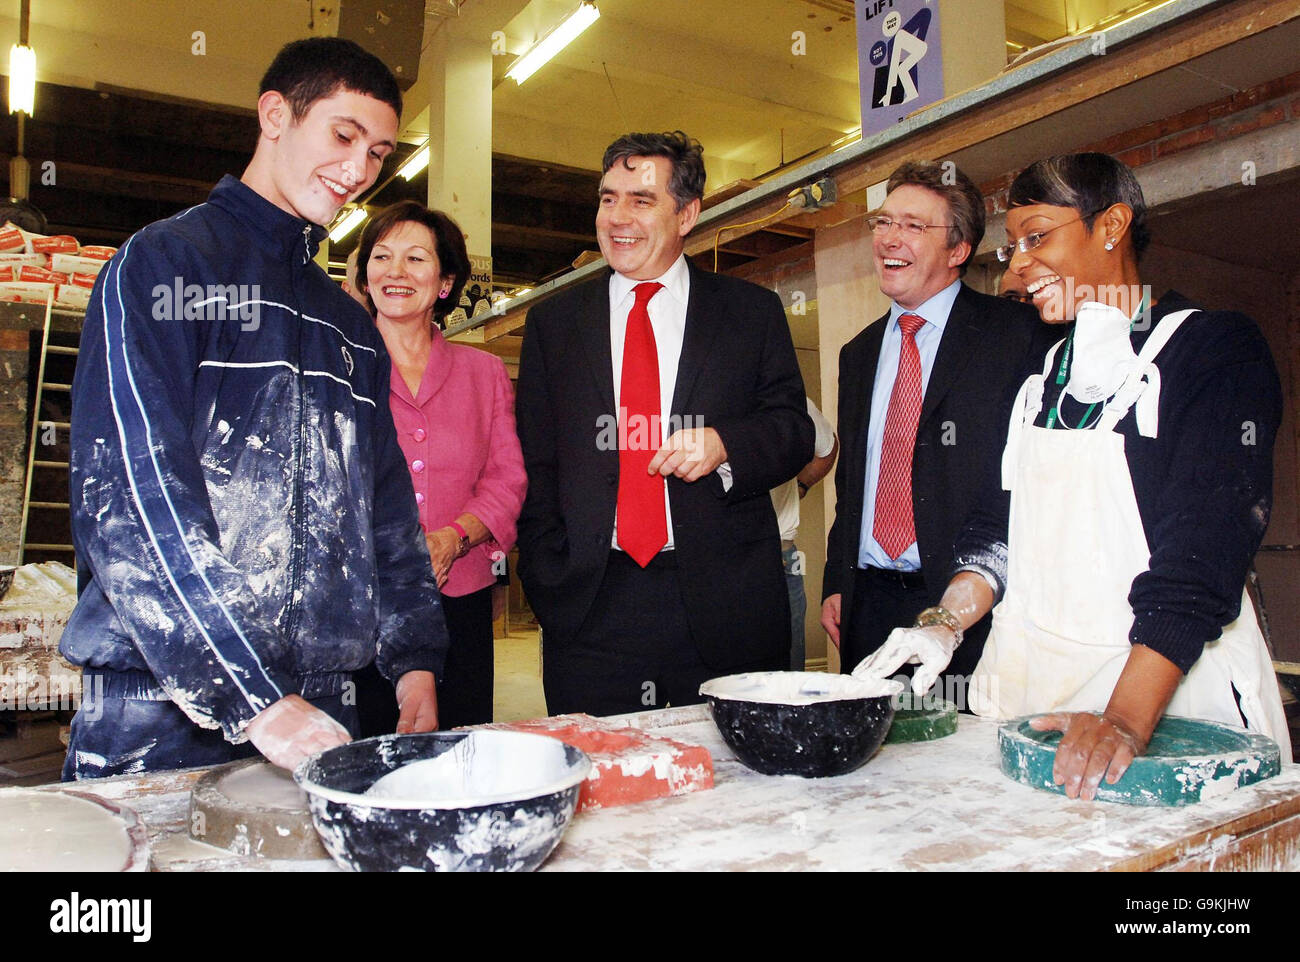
column 483, row 768
column 797, row 687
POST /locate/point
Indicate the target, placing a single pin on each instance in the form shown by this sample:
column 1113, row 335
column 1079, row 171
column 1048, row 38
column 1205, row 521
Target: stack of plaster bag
column 35, row 266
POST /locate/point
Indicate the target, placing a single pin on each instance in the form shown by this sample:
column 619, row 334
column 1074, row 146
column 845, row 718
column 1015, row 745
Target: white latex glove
column 931, row 648
column 293, row 729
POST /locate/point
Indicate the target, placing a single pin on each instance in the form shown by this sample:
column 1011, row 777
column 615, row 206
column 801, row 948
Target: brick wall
column 1257, row 108
column 13, row 438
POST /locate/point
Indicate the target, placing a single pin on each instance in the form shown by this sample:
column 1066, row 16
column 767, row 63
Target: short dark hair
column 684, row 153
column 964, row 200
column 448, row 238
column 1090, row 183
column 306, row 71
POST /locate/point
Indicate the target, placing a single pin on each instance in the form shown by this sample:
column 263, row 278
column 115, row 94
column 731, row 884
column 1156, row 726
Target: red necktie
column 894, row 528
column 642, row 527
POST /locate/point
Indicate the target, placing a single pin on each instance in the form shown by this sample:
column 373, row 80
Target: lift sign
column 900, row 69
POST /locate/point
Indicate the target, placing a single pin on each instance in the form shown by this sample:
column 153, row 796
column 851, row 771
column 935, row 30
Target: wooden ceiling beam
column 1148, row 54
column 94, row 179
column 780, row 259
column 518, row 230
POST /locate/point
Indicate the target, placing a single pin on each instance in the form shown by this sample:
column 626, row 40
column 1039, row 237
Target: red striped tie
column 894, row 528
column 642, row 527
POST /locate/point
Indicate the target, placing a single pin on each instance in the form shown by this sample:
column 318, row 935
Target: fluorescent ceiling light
column 22, row 79
column 415, row 163
column 553, row 42
column 350, row 222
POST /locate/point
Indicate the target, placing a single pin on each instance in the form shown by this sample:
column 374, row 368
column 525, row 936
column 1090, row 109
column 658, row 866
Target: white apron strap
column 1142, row 386
column 1029, row 401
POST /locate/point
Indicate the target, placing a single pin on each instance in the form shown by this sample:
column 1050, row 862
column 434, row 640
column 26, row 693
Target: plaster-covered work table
column 940, row 805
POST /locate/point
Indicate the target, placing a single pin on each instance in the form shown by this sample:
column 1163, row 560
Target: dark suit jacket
column 987, row 343
column 738, row 373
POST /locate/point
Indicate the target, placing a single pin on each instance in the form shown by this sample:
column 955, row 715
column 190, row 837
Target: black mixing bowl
column 508, row 816
column 801, row 723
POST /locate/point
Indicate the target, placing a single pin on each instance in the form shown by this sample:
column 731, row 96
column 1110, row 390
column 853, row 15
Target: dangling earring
column 1110, row 245
column 442, row 295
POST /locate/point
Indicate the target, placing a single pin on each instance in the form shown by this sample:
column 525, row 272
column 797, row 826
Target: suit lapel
column 858, row 405
column 705, row 317
column 960, row 338
column 591, row 328
column 864, row 385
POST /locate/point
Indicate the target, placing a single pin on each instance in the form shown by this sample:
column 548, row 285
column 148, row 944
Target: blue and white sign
column 900, row 65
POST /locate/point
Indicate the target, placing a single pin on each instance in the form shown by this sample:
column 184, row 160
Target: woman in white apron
column 1137, row 483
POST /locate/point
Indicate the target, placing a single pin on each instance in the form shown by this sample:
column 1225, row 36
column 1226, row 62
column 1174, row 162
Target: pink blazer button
column 419, row 434
column 419, row 498
column 417, row 466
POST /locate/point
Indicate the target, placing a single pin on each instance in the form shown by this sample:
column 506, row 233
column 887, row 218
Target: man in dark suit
column 921, row 417
column 657, row 405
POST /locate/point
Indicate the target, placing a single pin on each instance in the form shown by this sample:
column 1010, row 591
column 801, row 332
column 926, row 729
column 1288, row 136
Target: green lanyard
column 1054, row 414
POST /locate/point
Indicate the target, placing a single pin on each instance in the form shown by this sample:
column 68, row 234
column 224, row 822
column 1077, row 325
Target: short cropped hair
column 448, row 238
column 1090, row 183
column 684, row 153
column 964, row 200
column 306, row 71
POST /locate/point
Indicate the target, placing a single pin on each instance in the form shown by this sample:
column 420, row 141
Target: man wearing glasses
column 921, row 417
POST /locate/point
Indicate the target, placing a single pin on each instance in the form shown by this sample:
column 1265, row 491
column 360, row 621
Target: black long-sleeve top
column 1204, row 486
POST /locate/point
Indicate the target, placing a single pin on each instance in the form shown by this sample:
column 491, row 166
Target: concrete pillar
column 456, row 76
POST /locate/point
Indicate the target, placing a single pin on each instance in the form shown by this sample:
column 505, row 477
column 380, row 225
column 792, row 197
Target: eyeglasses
column 880, row 224
column 1031, row 241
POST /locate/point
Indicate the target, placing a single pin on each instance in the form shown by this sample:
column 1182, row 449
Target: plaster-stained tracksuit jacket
column 242, row 513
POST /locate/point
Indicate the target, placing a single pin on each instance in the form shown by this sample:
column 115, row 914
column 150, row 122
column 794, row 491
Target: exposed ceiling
column 143, row 104
column 737, row 76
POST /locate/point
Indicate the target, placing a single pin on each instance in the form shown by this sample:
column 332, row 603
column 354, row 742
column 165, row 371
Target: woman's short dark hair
column 684, row 153
column 964, row 200
column 1090, row 183
column 453, row 259
column 306, row 71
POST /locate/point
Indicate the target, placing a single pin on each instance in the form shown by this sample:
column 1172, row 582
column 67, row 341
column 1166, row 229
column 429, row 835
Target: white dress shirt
column 935, row 313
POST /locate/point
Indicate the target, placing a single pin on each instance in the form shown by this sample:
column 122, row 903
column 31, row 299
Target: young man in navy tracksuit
column 243, row 516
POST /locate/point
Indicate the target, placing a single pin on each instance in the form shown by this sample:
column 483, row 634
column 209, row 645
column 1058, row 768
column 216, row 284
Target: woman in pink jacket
column 454, row 411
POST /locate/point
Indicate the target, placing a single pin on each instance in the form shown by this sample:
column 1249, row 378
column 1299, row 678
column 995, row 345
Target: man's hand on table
column 293, row 729
column 417, row 703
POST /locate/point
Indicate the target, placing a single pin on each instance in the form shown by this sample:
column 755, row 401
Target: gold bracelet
column 940, row 616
